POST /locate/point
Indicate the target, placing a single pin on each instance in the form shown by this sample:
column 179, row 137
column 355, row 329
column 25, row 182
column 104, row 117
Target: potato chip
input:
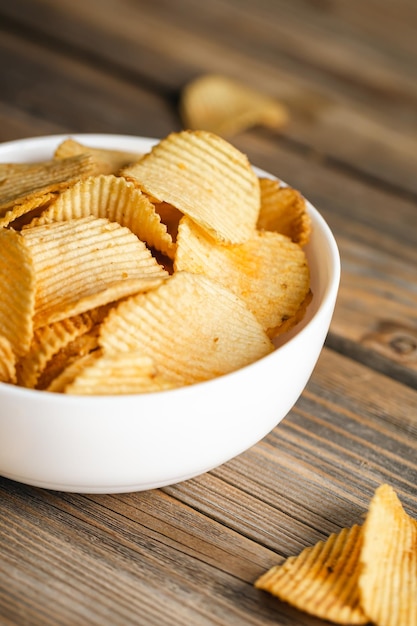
column 70, row 372
column 323, row 579
column 18, row 288
column 7, row 361
column 81, row 346
column 15, row 216
column 388, row 579
column 115, row 199
column 27, row 185
column 192, row 327
column 284, row 210
column 225, row 106
column 269, row 272
column 85, row 263
column 105, row 161
column 204, row 177
column 123, row 373
column 49, row 341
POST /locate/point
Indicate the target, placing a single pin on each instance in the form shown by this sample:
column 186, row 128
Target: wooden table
column 346, row 69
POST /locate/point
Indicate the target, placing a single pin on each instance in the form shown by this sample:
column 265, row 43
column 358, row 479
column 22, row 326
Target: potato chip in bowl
column 165, row 303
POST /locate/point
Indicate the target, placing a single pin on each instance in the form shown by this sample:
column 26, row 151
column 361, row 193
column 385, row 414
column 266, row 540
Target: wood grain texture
column 188, row 554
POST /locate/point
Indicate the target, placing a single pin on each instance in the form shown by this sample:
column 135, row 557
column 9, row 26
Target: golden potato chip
column 204, row 177
column 18, row 288
column 269, row 272
column 26, row 208
column 322, row 580
column 192, row 327
column 123, row 373
column 115, row 199
column 225, row 106
column 105, row 161
column 81, row 346
column 26, row 186
column 170, row 216
column 388, row 579
column 84, row 263
column 49, row 341
column 70, row 372
column 7, row 361
column 284, row 210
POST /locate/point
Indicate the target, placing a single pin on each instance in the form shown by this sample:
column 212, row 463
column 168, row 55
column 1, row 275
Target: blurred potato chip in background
column 225, row 106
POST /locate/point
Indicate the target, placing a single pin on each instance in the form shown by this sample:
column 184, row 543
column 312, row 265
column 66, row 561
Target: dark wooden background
column 347, row 71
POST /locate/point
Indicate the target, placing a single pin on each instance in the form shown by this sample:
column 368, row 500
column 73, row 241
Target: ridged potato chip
column 18, row 291
column 269, row 272
column 204, row 177
column 322, row 579
column 105, row 161
column 49, row 341
column 225, row 106
column 283, row 210
column 123, row 373
column 7, row 361
column 99, row 262
column 191, row 326
column 388, row 579
column 28, row 186
column 116, row 200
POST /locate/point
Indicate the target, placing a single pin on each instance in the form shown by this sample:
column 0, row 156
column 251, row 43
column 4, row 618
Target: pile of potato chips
column 363, row 574
column 128, row 273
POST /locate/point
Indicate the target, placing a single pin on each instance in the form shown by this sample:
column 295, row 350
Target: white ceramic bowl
column 114, row 444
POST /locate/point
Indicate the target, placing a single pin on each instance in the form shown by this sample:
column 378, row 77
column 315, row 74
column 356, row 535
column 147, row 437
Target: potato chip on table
column 322, row 579
column 204, row 177
column 388, row 579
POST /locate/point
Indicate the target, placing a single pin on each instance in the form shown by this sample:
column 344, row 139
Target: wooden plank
column 70, row 95
column 349, row 98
